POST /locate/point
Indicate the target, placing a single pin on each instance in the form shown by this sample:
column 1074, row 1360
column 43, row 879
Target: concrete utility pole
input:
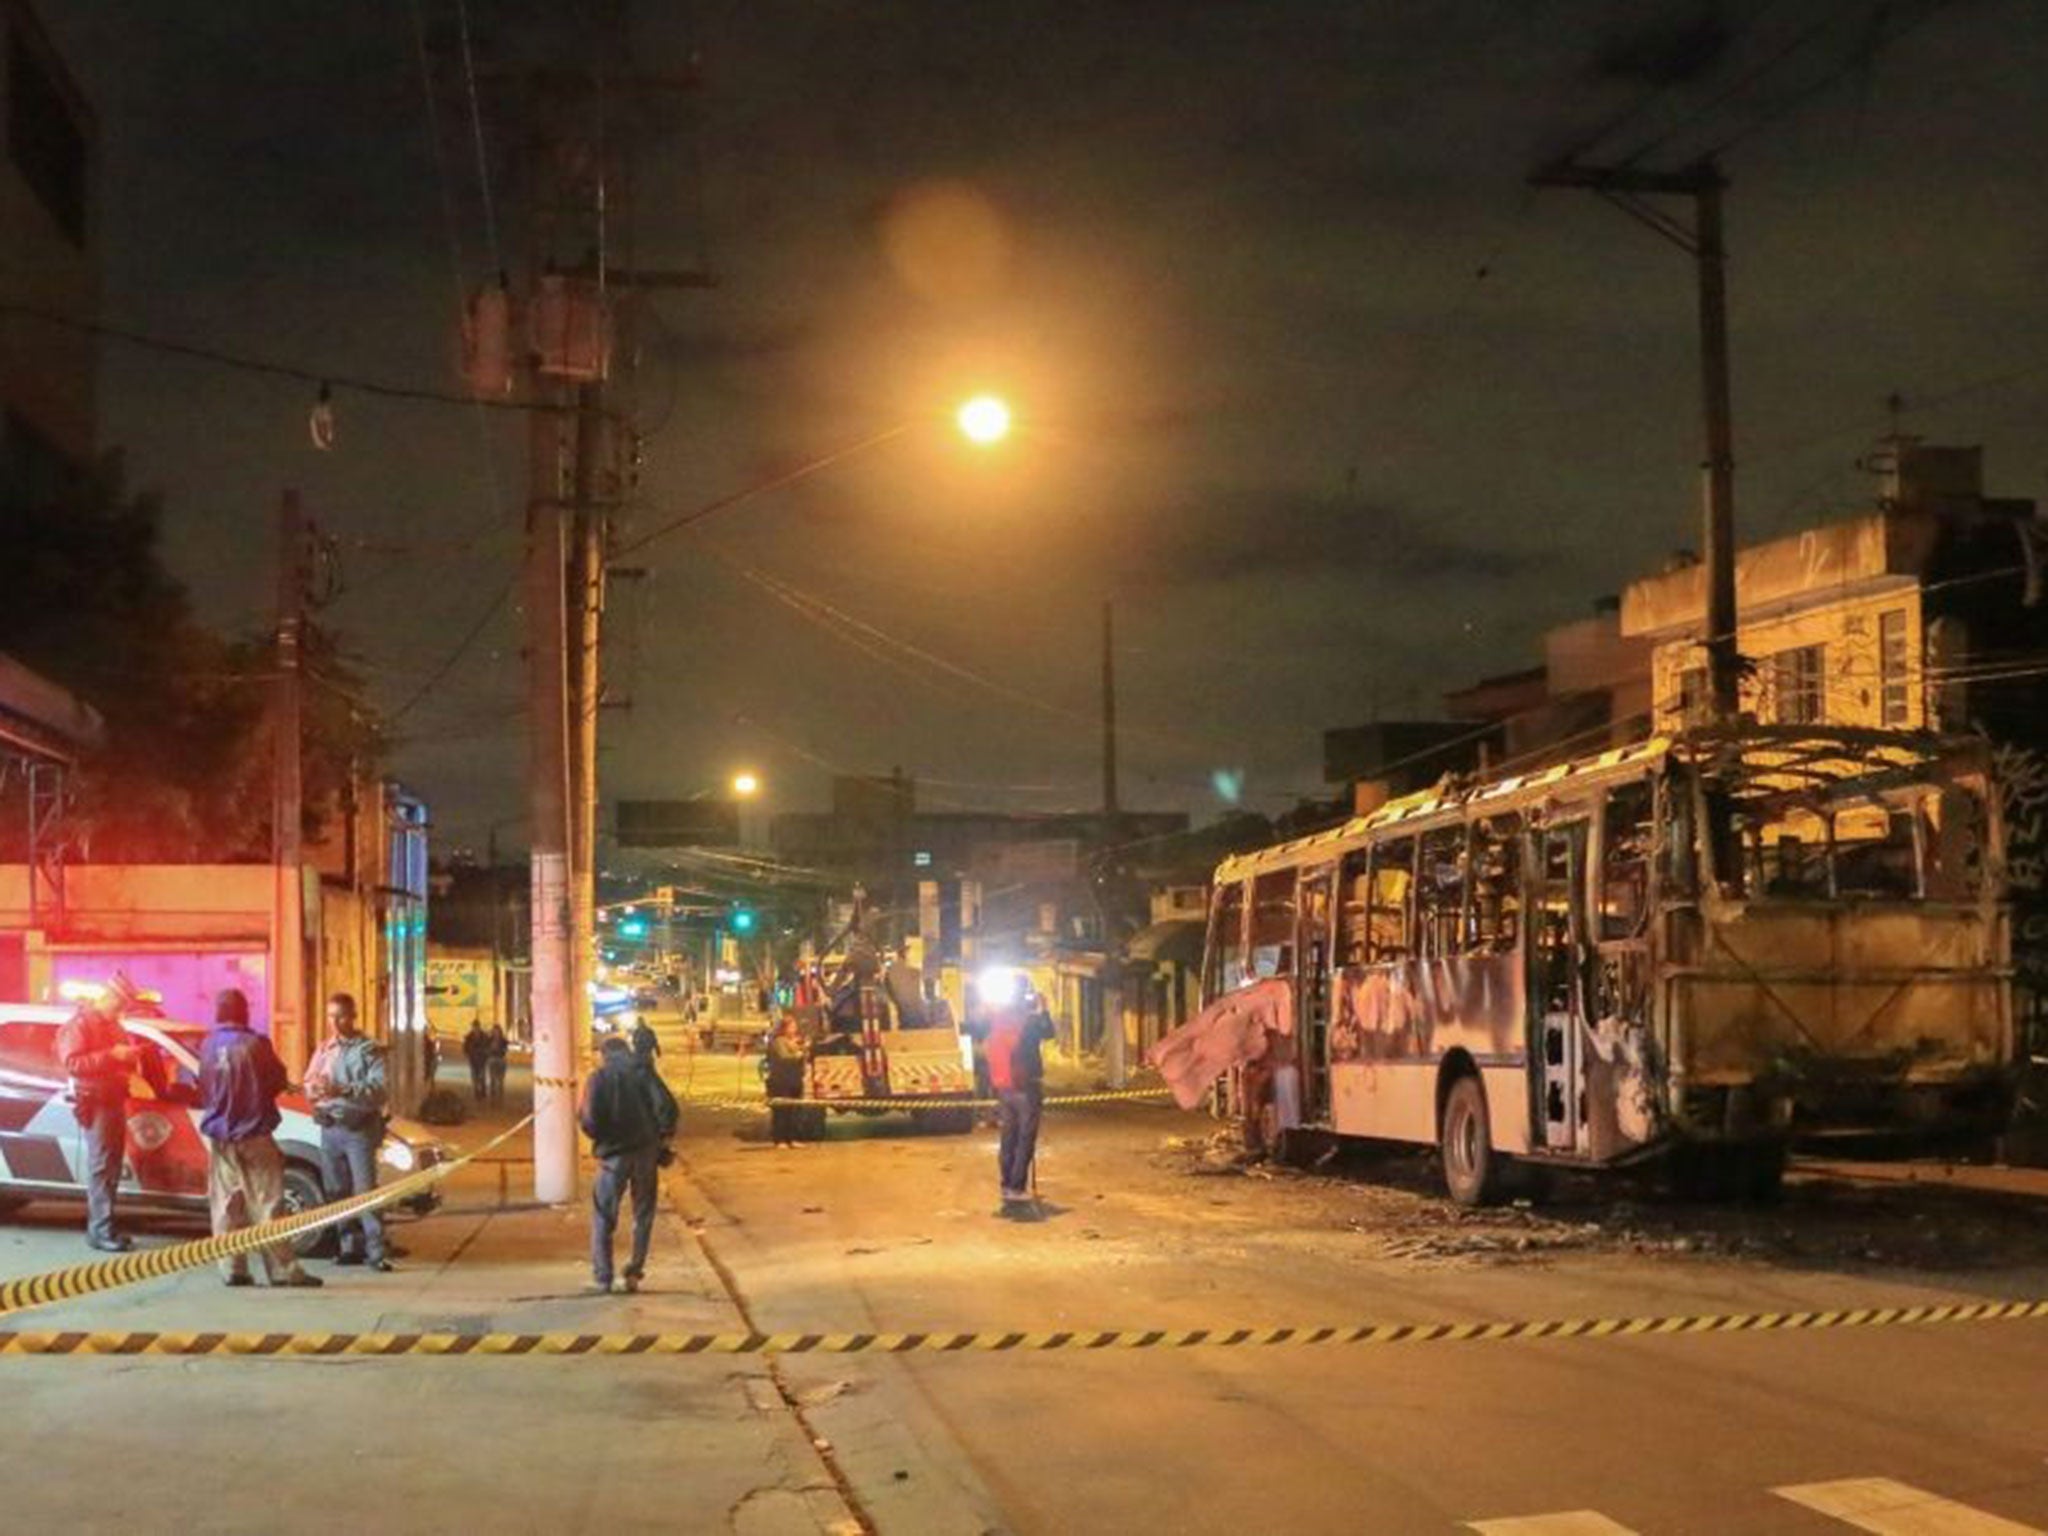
column 289, row 1032
column 548, row 755
column 1109, row 805
column 578, row 193
column 1625, row 186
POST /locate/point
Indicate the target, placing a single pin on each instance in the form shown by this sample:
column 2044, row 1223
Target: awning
column 1175, row 941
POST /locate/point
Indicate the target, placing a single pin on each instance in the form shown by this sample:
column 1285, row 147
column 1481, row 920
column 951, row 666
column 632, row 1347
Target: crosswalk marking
column 1570, row 1522
column 1886, row 1508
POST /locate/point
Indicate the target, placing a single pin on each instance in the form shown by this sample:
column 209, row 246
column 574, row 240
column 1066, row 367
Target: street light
column 985, row 420
column 745, row 784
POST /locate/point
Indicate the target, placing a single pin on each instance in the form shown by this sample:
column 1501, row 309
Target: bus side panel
column 1910, row 995
column 1396, row 1101
column 1393, row 1025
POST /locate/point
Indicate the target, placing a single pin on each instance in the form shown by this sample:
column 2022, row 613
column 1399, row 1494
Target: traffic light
column 633, row 928
column 742, row 919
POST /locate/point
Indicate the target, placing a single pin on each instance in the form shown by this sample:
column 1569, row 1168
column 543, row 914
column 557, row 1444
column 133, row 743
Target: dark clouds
column 1243, row 243
column 1287, row 531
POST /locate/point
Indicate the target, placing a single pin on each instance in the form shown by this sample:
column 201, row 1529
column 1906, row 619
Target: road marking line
column 1569, row 1522
column 1887, row 1508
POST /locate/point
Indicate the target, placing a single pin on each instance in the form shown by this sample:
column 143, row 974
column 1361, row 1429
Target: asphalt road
column 1932, row 1430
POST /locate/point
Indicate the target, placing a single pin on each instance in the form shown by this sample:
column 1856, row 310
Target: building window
column 44, row 142
column 1894, row 669
column 1799, row 685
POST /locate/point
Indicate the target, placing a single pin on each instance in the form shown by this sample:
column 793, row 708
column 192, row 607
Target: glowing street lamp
column 745, row 784
column 985, row 419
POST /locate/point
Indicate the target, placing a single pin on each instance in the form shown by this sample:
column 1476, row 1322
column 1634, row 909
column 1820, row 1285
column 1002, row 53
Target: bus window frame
column 1373, row 868
column 1215, row 964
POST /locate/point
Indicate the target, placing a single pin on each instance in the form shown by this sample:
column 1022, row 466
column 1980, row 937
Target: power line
column 255, row 365
column 462, row 646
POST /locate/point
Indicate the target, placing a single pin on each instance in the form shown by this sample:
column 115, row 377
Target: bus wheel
column 1471, row 1167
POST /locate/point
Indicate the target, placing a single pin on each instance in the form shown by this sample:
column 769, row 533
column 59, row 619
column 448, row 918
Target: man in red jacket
column 98, row 1055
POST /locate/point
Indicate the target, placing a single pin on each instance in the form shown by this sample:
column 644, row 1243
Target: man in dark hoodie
column 629, row 1116
column 240, row 1078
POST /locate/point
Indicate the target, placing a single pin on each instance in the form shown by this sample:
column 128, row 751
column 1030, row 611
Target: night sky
column 1338, row 411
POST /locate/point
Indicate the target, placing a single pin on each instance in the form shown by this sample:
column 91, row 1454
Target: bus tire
column 1472, row 1169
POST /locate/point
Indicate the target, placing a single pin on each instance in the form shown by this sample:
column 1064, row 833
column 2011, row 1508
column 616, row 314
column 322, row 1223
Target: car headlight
column 399, row 1155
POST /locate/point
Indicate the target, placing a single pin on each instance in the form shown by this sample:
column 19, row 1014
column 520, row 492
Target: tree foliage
column 183, row 773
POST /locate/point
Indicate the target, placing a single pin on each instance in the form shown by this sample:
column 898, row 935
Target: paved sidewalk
column 409, row 1444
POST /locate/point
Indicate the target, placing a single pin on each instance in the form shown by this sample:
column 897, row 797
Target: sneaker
column 236, row 1280
column 632, row 1284
column 598, row 1288
column 382, row 1266
column 120, row 1243
column 348, row 1258
column 299, row 1280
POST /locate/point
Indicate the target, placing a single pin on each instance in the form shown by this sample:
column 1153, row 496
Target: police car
column 42, row 1150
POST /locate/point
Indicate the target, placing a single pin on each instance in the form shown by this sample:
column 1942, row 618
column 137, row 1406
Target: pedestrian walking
column 476, row 1050
column 495, row 1060
column 346, row 1083
column 1015, row 1029
column 630, row 1117
column 787, row 1053
column 240, row 1078
column 98, row 1056
column 646, row 1043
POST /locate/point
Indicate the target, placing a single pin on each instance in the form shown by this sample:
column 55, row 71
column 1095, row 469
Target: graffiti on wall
column 2022, row 775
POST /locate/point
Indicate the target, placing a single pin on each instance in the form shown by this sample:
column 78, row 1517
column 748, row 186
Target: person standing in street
column 497, row 1055
column 646, row 1044
column 346, row 1083
column 476, row 1050
column 97, row 1054
column 629, row 1116
column 240, row 1078
column 1016, row 1028
column 787, row 1054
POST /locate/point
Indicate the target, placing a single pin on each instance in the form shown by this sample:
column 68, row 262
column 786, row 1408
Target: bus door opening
column 1312, row 994
column 1557, row 990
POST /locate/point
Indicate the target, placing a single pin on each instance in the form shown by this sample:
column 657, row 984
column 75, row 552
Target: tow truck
column 878, row 1038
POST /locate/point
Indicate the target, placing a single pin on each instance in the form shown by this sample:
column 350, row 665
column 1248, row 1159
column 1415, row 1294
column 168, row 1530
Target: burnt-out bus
column 1702, row 945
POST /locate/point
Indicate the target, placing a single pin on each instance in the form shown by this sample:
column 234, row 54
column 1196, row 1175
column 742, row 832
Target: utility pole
column 289, row 1030
column 576, row 316
column 548, row 737
column 1625, row 187
column 1109, row 805
column 1111, row 983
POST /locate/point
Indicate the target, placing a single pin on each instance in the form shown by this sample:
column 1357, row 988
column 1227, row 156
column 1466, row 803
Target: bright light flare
column 744, row 784
column 999, row 986
column 984, row 419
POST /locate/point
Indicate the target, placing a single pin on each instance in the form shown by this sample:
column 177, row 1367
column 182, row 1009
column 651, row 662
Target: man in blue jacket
column 240, row 1078
column 629, row 1116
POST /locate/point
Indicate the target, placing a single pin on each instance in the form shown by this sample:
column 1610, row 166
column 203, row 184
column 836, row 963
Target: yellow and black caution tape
column 1049, row 1101
column 155, row 1263
column 574, row 1344
column 554, row 1082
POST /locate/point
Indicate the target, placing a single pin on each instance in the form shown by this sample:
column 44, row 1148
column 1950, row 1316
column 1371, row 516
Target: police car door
column 38, row 1131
